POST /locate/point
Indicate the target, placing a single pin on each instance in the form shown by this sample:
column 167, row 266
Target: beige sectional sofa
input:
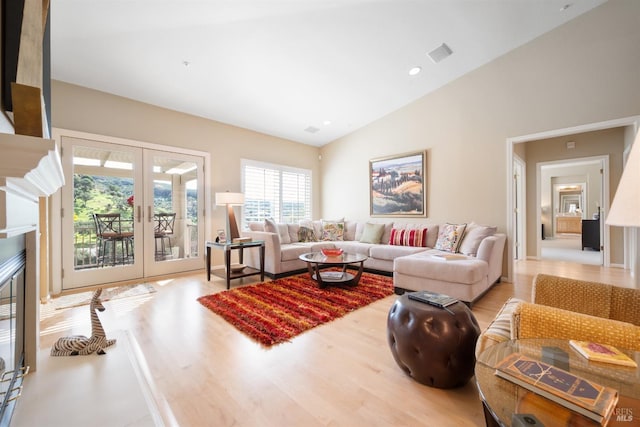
column 406, row 251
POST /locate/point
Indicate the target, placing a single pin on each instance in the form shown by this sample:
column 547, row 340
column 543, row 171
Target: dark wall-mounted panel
column 11, row 28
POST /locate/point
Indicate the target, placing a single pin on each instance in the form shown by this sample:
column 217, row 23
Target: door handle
column 139, row 214
column 149, row 213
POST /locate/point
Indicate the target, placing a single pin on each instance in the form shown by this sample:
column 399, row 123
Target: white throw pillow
column 282, row 230
column 473, row 236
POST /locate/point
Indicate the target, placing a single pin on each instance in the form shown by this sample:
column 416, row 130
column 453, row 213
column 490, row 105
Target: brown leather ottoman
column 434, row 346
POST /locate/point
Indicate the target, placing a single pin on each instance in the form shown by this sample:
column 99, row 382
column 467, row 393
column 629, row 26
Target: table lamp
column 230, row 200
column 625, row 209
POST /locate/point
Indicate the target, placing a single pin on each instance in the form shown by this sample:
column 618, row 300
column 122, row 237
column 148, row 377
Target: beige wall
column 609, row 142
column 583, row 72
column 85, row 110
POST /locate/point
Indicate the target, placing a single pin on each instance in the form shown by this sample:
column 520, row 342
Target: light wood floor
column 338, row 374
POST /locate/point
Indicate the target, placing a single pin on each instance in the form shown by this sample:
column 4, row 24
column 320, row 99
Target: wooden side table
column 227, row 248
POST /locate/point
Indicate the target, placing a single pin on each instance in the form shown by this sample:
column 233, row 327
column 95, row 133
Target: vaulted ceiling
column 306, row 70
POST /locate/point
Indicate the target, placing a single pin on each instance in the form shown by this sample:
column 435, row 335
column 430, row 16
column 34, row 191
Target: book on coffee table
column 432, row 298
column 602, row 353
column 585, row 397
column 332, row 275
column 450, row 257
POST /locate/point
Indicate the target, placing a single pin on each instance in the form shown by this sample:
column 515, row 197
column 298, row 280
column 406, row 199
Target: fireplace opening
column 12, row 317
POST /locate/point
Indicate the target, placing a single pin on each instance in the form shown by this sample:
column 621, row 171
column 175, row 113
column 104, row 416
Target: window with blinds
column 275, row 191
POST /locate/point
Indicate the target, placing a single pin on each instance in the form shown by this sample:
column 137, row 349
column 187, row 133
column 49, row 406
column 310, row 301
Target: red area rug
column 274, row 312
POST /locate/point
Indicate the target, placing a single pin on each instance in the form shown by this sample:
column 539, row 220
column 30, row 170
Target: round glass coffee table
column 316, row 261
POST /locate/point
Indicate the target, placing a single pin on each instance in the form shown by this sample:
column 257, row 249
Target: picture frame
column 397, row 185
column 221, row 236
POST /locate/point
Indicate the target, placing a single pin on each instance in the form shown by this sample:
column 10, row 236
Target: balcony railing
column 86, row 245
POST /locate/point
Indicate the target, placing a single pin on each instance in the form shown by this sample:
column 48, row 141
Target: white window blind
column 275, row 191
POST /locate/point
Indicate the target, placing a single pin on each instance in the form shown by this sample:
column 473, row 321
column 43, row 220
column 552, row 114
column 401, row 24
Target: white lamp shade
column 625, row 209
column 228, row 198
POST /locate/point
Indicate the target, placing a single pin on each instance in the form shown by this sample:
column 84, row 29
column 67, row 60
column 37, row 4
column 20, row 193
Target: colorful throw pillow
column 449, row 237
column 332, row 230
column 372, row 233
column 306, row 234
column 316, row 226
column 410, row 237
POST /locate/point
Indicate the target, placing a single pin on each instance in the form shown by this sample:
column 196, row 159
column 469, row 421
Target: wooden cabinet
column 568, row 224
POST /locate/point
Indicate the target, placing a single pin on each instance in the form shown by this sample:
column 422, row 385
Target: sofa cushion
column 391, row 252
column 449, row 237
column 350, row 228
column 283, row 233
column 332, row 230
column 387, row 232
column 316, row 226
column 354, row 247
column 372, row 233
column 256, row 226
column 292, row 251
column 306, row 234
column 282, row 230
column 473, row 235
column 409, row 237
column 425, row 264
column 293, row 230
column 270, row 225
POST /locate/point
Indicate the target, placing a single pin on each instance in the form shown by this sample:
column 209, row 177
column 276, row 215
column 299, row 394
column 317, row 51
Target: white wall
column 583, row 72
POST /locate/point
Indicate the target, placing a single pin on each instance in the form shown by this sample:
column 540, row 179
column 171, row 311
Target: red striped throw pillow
column 410, row 237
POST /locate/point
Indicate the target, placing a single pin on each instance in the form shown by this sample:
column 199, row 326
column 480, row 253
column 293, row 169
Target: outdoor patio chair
column 109, row 232
column 163, row 231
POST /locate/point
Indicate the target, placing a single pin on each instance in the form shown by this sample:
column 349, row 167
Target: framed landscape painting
column 397, row 185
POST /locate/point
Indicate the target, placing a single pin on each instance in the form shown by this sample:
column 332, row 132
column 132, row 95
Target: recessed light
column 186, row 63
column 565, row 7
column 326, row 122
column 414, row 71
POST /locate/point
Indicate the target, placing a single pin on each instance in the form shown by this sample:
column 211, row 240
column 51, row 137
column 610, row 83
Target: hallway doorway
column 615, row 246
column 570, row 194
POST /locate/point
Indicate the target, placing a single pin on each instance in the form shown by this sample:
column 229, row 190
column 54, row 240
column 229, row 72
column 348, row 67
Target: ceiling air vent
column 440, row 53
column 312, row 129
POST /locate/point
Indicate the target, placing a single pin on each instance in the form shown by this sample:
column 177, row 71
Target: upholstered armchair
column 569, row 309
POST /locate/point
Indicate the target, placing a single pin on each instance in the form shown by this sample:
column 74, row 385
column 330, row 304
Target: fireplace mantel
column 30, row 168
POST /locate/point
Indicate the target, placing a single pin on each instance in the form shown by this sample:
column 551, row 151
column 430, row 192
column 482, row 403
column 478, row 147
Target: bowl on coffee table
column 331, row 252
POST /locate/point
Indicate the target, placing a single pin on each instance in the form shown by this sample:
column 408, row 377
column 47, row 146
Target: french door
column 129, row 212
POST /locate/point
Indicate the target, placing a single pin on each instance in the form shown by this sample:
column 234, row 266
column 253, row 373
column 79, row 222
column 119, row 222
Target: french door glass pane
column 175, row 208
column 103, row 207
